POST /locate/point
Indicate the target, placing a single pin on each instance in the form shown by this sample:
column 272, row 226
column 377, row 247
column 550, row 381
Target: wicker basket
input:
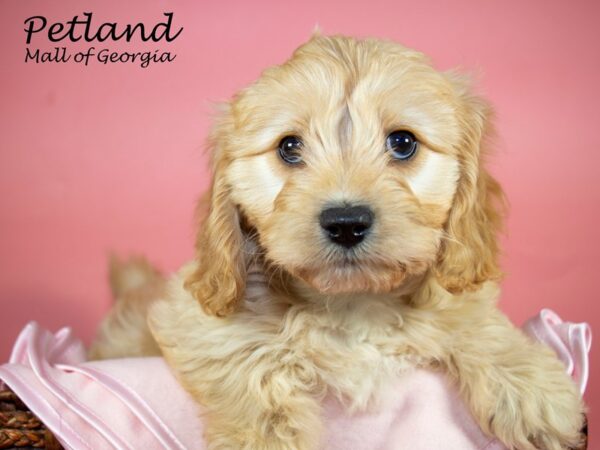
column 21, row 430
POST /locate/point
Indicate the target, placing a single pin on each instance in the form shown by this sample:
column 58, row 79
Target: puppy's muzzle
column 347, row 225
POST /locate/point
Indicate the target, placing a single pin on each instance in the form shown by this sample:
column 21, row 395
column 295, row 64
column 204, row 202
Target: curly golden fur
column 271, row 315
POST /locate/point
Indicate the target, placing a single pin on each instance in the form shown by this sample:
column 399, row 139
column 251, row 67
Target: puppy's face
column 346, row 161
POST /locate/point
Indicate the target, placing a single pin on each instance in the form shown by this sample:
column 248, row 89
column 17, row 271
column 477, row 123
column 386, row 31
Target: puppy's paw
column 546, row 416
column 275, row 431
column 242, row 440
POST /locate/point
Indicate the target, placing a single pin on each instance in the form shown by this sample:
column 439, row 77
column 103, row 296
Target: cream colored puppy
column 350, row 237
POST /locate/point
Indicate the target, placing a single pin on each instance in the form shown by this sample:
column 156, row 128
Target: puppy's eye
column 290, row 149
column 401, row 144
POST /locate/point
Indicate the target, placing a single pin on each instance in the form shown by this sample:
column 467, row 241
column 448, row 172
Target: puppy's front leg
column 256, row 392
column 517, row 389
column 267, row 408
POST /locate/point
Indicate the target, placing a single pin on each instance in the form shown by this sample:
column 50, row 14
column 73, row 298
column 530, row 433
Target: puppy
column 350, row 236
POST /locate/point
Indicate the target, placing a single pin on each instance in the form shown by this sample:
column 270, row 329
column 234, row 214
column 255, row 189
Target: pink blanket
column 136, row 403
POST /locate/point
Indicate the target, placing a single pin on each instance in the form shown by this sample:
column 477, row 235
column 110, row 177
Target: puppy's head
column 355, row 167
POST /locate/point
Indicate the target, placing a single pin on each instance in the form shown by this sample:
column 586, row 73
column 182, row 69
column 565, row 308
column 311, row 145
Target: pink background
column 101, row 158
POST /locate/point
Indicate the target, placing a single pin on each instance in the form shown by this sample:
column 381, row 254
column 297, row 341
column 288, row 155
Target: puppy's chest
column 359, row 366
column 358, row 348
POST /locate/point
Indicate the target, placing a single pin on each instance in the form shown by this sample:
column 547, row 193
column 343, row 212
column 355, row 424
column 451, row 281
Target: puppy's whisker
column 448, row 237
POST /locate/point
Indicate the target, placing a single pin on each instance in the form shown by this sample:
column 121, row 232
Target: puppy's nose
column 347, row 225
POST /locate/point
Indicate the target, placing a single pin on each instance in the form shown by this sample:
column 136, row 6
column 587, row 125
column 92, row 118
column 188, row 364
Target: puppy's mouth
column 348, row 274
column 346, row 263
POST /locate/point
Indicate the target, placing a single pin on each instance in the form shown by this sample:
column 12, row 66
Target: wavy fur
column 286, row 317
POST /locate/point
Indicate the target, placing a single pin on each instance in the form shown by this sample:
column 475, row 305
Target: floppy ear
column 219, row 281
column 469, row 254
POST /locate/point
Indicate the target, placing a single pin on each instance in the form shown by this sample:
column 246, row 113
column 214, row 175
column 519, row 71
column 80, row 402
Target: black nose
column 347, row 225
